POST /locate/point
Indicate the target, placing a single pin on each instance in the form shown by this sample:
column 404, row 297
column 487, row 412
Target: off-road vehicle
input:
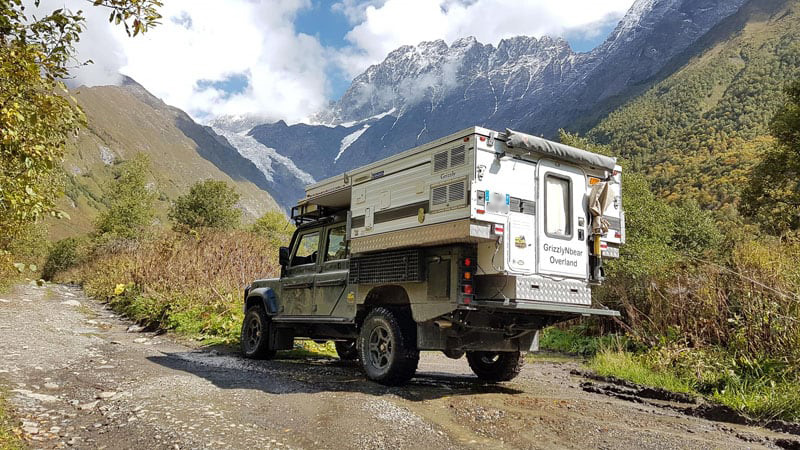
column 467, row 245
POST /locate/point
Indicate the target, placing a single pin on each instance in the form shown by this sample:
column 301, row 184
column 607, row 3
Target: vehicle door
column 521, row 226
column 331, row 281
column 297, row 286
column 562, row 249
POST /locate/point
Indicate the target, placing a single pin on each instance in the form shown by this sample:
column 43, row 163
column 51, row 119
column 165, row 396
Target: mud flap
column 535, row 342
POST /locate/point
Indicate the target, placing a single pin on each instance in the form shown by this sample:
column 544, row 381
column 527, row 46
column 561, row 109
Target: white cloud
column 200, row 42
column 211, row 41
column 206, row 40
column 394, row 23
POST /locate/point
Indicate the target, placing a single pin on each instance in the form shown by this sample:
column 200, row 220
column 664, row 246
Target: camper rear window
column 558, row 206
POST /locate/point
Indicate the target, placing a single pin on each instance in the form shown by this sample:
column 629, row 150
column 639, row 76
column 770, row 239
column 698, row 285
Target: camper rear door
column 562, row 246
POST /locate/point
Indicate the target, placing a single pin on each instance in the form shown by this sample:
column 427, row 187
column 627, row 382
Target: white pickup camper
column 468, row 244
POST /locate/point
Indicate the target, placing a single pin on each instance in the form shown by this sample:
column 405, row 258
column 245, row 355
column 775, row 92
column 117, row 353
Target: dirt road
column 78, row 378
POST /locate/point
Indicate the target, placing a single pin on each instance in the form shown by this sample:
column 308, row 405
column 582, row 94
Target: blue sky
column 287, row 59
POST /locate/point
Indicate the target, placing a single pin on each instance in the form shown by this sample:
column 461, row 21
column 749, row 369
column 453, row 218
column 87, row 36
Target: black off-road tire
column 496, row 366
column 255, row 334
column 388, row 346
column 347, row 350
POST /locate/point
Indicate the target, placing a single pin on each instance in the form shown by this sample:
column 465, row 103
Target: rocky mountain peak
column 423, row 92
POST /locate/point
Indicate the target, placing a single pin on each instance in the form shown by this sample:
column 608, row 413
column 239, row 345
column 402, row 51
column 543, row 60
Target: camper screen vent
column 457, row 156
column 449, row 195
column 439, row 161
column 439, row 195
column 456, row 192
column 447, row 159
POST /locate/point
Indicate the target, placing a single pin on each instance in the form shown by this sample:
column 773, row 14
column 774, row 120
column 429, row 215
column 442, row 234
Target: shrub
column 130, row 203
column 64, row 255
column 695, row 232
column 208, row 204
column 274, row 226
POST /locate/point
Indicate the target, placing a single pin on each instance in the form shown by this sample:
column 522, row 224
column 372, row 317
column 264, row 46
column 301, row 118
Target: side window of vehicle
column 558, row 206
column 307, row 249
column 336, row 244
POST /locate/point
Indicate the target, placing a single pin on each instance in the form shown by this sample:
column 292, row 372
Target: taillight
column 467, row 279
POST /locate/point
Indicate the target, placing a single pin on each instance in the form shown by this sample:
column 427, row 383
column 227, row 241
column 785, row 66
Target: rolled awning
column 515, row 139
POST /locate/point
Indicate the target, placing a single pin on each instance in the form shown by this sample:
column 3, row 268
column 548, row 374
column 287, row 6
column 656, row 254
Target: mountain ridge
column 127, row 119
column 420, row 93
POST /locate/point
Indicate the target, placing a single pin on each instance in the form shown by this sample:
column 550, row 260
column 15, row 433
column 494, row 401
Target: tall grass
column 190, row 283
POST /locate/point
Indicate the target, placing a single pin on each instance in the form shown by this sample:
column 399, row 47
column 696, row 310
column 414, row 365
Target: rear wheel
column 347, row 350
column 388, row 347
column 496, row 366
column 255, row 334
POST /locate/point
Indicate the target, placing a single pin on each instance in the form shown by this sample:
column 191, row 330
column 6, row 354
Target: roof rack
column 309, row 212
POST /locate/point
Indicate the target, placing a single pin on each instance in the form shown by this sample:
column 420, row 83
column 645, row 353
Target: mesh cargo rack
column 396, row 266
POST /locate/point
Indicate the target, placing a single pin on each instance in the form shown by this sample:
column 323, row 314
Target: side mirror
column 283, row 256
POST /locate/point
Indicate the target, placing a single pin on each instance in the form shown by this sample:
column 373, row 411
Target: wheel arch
column 264, row 297
column 389, row 295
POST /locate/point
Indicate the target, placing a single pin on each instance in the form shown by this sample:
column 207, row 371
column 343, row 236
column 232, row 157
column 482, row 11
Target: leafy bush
column 130, row 203
column 64, row 255
column 208, row 204
column 274, row 226
column 695, row 232
column 772, row 195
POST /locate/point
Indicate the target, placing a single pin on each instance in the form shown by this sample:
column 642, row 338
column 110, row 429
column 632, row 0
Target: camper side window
column 558, row 206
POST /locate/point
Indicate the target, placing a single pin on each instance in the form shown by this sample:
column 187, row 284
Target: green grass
column 8, row 440
column 574, row 341
column 763, row 399
column 552, row 357
column 760, row 397
column 631, row 367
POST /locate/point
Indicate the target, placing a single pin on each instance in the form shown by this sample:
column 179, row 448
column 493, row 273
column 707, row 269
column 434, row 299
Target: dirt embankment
column 78, row 378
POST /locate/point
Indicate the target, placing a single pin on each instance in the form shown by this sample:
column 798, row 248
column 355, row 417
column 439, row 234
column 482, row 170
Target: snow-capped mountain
column 420, row 93
column 279, row 170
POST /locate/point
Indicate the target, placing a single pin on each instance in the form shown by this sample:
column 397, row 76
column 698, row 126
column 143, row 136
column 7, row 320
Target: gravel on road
column 80, row 376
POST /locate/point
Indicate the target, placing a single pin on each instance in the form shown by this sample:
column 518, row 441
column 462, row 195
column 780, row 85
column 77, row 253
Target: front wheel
column 496, row 366
column 388, row 347
column 255, row 334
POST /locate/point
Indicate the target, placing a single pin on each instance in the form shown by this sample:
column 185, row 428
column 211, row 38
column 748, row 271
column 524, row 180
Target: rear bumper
column 549, row 308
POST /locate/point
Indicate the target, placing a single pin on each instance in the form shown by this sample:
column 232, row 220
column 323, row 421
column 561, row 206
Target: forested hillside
column 696, row 133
